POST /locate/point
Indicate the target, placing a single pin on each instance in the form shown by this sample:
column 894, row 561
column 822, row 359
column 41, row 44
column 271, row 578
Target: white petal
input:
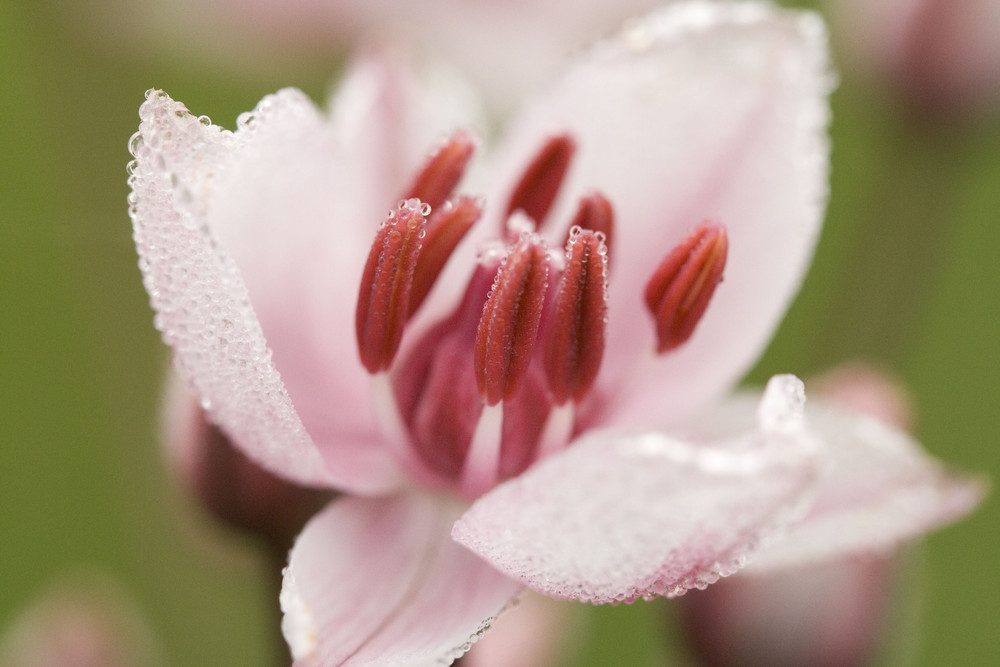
column 379, row 582
column 620, row 516
column 701, row 110
column 877, row 488
column 202, row 304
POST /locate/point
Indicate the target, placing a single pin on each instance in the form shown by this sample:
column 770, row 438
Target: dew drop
column 135, row 144
column 425, row 209
column 205, row 120
column 245, row 120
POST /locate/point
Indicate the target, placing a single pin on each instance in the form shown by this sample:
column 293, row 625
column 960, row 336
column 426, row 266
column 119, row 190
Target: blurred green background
column 906, row 275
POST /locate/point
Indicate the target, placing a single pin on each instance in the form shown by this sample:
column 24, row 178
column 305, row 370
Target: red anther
column 384, row 295
column 540, row 183
column 680, row 289
column 442, row 171
column 596, row 214
column 448, row 225
column 579, row 318
column 508, row 328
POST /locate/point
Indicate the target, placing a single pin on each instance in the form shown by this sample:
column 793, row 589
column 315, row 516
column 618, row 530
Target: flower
column 578, row 397
column 943, row 58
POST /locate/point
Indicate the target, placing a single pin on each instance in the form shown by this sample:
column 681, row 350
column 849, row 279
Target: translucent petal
column 380, row 582
column 877, row 488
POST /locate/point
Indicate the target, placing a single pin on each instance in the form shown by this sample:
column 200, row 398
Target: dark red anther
column 442, row 171
column 596, row 214
column 508, row 328
column 579, row 318
column 683, row 284
column 384, row 295
column 448, row 225
column 540, row 183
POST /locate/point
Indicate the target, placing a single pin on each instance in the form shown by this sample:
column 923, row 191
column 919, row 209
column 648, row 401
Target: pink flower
column 578, row 397
column 941, row 56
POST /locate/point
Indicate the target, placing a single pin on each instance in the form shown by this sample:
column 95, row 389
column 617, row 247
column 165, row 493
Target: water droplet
column 245, row 120
column 425, row 209
column 783, row 405
column 205, row 120
column 135, row 144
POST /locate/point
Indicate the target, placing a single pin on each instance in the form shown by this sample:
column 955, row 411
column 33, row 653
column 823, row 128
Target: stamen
column 442, row 171
column 679, row 291
column 595, row 213
column 384, row 295
column 447, row 227
column 579, row 318
column 540, row 183
column 509, row 325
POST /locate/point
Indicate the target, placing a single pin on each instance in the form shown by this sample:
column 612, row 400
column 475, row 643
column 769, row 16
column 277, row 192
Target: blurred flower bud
column 537, row 632
column 229, row 485
column 942, row 56
column 79, row 624
column 833, row 613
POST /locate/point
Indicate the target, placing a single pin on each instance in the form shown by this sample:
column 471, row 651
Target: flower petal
column 876, row 489
column 701, row 110
column 380, row 582
column 620, row 516
column 203, row 307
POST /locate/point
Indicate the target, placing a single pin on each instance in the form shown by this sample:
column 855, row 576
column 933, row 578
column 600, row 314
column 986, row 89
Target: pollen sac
column 541, row 180
column 447, row 226
column 596, row 214
column 442, row 171
column 511, row 316
column 576, row 332
column 681, row 287
column 384, row 295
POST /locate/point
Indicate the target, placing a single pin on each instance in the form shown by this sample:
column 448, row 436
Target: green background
column 906, row 275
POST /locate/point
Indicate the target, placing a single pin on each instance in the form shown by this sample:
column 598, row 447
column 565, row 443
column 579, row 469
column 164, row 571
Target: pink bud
column 940, row 55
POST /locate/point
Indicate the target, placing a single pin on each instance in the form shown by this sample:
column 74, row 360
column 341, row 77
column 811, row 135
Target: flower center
column 496, row 384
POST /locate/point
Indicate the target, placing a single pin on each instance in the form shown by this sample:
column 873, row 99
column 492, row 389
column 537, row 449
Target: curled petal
column 620, row 516
column 745, row 144
column 876, row 489
column 379, row 582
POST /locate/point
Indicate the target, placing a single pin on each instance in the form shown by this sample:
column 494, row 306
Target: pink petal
column 203, row 307
column 299, row 210
column 701, row 110
column 877, row 488
column 379, row 582
column 619, row 516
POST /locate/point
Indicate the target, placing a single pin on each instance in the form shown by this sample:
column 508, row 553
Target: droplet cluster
column 619, row 547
